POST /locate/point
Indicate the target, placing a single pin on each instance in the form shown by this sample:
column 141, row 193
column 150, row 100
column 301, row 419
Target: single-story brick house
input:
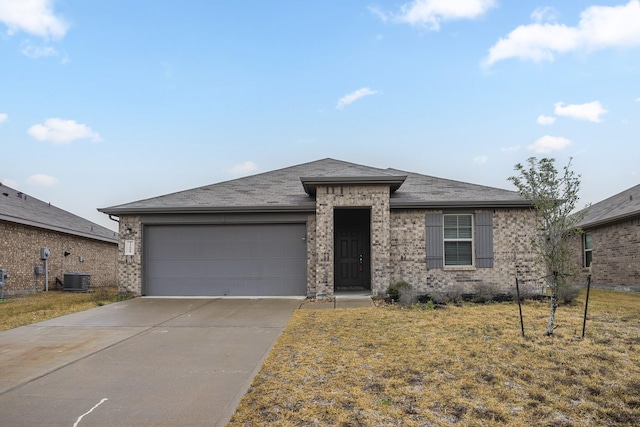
column 320, row 227
column 611, row 240
column 27, row 225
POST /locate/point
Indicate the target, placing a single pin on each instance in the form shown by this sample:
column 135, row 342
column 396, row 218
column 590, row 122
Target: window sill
column 459, row 268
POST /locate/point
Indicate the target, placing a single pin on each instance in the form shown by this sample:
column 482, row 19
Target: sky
column 105, row 102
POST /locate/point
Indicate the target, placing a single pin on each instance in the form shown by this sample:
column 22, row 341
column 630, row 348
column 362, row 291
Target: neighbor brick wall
column 616, row 255
column 20, row 253
column 512, row 231
column 130, row 266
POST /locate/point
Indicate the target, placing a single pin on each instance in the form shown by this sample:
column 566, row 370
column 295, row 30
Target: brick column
column 130, row 266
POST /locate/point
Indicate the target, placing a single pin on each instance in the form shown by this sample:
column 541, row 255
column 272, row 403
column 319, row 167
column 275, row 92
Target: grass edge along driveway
column 27, row 309
column 466, row 365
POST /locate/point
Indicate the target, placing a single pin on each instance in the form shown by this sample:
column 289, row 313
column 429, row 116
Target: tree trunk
column 553, row 305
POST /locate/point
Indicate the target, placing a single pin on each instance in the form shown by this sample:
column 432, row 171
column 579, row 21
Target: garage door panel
column 267, row 259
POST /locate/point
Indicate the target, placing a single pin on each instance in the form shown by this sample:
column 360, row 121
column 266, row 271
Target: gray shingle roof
column 21, row 208
column 282, row 190
column 620, row 207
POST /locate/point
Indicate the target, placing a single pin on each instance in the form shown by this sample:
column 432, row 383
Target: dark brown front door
column 352, row 264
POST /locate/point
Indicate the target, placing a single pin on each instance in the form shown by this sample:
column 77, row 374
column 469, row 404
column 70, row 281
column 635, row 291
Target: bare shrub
column 394, row 290
column 454, row 294
column 568, row 293
column 408, row 296
column 484, row 292
column 529, row 290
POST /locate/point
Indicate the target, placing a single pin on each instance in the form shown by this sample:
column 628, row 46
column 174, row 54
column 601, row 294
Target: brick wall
column 616, row 255
column 398, row 246
column 311, row 255
column 20, row 253
column 329, row 197
column 130, row 266
column 512, row 233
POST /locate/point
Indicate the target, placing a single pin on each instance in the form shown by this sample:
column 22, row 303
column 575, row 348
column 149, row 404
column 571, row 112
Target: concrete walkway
column 146, row 361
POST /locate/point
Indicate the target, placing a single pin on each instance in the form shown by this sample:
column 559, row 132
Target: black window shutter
column 435, row 256
column 484, row 240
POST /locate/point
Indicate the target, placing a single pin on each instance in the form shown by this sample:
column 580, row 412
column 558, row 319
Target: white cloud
column 547, row 144
column 354, row 96
column 511, row 149
column 545, row 120
column 32, row 51
column 42, row 180
column 600, row 27
column 544, row 14
column 381, row 14
column 244, row 168
column 9, row 183
column 431, row 13
column 637, row 99
column 480, row 160
column 61, row 131
column 590, row 111
column 3, row 118
column 35, row 17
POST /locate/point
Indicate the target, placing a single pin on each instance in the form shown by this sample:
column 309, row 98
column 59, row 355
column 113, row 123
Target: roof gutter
column 610, row 220
column 311, row 207
column 463, row 204
column 60, row 229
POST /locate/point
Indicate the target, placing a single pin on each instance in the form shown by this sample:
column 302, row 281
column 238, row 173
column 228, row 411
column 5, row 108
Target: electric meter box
column 44, row 253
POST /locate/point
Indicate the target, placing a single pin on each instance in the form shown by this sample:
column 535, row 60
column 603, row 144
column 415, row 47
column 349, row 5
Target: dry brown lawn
column 20, row 310
column 468, row 365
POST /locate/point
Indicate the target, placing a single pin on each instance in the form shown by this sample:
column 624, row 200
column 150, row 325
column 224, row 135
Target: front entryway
column 352, row 249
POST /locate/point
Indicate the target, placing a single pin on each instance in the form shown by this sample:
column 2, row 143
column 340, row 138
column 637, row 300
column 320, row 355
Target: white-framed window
column 587, row 245
column 458, row 240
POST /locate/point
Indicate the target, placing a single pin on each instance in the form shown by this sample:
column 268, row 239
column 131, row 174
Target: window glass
column 458, row 253
column 458, row 240
column 588, row 247
column 457, row 227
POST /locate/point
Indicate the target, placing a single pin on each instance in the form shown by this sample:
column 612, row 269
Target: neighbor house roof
column 620, row 207
column 292, row 189
column 21, row 208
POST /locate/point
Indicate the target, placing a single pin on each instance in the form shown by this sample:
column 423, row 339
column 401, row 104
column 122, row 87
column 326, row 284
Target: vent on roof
column 5, row 194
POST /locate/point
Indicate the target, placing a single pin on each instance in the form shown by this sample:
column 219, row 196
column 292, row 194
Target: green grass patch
column 468, row 365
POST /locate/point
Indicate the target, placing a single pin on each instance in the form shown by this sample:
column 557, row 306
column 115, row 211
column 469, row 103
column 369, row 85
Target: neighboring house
column 321, row 227
column 75, row 245
column 611, row 240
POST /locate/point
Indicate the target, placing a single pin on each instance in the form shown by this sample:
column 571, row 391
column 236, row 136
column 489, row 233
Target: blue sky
column 106, row 102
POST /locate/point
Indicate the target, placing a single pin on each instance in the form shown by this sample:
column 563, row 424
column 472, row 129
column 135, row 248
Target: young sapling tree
column 554, row 196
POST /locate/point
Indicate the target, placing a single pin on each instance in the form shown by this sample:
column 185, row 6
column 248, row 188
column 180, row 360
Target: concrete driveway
column 142, row 362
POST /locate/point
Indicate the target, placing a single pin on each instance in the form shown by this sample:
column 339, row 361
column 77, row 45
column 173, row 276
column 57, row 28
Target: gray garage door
column 211, row 260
